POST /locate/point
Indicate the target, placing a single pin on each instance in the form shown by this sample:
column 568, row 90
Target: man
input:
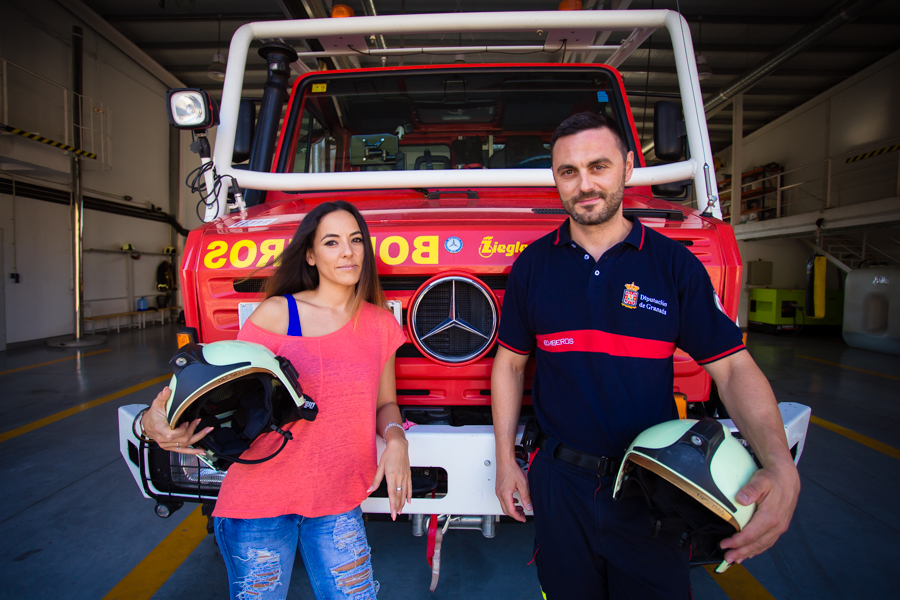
column 603, row 301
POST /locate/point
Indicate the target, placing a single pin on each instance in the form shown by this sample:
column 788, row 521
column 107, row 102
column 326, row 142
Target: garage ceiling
column 734, row 36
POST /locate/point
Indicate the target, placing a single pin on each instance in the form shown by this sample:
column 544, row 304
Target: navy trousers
column 588, row 545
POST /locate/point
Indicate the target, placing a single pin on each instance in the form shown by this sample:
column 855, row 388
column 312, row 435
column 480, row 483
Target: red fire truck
column 449, row 164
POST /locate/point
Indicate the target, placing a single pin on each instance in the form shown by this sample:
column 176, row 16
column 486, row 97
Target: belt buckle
column 606, row 466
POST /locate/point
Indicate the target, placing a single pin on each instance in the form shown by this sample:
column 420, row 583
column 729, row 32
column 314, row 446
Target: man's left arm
column 751, row 404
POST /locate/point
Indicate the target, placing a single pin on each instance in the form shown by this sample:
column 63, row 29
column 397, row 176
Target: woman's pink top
column 331, row 462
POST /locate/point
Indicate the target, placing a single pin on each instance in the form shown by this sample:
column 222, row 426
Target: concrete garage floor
column 75, row 524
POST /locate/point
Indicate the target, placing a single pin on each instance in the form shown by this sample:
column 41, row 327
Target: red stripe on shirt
column 721, row 355
column 642, row 238
column 592, row 340
column 508, row 347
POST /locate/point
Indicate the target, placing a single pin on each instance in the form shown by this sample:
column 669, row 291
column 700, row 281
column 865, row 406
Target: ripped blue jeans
column 259, row 555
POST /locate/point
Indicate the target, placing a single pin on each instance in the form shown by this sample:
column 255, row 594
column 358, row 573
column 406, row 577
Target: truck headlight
column 191, row 109
column 189, row 471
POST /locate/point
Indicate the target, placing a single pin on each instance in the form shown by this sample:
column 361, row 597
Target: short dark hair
column 585, row 121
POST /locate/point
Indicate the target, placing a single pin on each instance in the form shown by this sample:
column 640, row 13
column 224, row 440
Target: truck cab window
column 315, row 149
column 466, row 118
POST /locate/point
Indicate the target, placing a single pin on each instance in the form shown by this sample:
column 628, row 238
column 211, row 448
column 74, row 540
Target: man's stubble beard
column 603, row 212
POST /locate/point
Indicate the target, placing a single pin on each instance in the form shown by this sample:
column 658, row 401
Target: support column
column 77, row 195
column 78, row 339
column 737, row 145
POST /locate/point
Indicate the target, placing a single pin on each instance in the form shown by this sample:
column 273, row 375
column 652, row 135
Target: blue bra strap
column 293, row 317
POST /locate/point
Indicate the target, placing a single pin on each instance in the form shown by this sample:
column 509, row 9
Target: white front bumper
column 467, row 455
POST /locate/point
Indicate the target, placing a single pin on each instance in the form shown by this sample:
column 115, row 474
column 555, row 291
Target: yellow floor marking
column 53, row 362
column 834, row 364
column 8, row 435
column 151, row 573
column 857, row 437
column 739, row 584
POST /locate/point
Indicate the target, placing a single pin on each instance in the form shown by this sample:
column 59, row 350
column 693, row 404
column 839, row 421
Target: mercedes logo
column 454, row 319
column 453, row 244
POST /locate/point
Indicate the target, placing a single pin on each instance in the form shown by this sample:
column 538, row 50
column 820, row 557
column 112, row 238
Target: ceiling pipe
column 314, row 9
column 836, row 17
column 839, row 15
column 374, row 13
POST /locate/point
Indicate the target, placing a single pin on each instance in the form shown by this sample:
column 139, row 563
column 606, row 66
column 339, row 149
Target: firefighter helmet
column 242, row 390
column 690, row 472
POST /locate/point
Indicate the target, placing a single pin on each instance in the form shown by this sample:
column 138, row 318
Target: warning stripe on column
column 878, row 152
column 48, row 141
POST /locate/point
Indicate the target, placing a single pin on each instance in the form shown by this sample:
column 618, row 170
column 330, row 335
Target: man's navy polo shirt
column 604, row 333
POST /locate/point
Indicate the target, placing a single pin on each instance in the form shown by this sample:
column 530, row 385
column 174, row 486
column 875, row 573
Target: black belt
column 602, row 464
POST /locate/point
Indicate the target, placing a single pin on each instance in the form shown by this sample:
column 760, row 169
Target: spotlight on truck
column 191, row 109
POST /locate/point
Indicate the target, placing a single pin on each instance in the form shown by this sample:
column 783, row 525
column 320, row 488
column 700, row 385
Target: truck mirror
column 191, row 109
column 246, row 127
column 668, row 131
column 675, row 189
column 376, row 149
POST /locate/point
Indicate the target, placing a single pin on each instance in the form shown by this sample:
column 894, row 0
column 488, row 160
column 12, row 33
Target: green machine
column 774, row 311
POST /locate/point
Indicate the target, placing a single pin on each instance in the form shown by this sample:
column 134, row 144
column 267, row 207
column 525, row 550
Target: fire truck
column 449, row 163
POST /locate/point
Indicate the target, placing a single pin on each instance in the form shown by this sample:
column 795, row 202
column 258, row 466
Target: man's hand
column 751, row 403
column 507, row 381
column 511, row 478
column 775, row 490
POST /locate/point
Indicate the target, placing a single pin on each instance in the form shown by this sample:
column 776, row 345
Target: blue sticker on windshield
column 602, row 97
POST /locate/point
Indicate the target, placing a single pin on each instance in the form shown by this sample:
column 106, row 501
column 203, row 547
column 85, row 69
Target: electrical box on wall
column 759, row 272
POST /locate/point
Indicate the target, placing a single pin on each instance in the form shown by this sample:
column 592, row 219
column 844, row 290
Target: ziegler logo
column 489, row 247
column 560, row 342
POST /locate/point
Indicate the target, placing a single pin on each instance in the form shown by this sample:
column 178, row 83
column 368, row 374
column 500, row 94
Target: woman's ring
column 178, row 445
column 399, row 489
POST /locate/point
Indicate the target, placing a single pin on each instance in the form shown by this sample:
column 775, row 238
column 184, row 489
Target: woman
column 324, row 312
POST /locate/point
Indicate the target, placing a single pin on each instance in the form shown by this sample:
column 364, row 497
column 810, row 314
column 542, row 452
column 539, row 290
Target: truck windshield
column 449, row 118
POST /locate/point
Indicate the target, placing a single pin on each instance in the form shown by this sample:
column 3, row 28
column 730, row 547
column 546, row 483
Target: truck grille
column 410, row 351
column 454, row 319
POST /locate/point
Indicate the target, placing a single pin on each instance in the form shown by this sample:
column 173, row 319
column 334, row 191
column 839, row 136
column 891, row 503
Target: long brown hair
column 294, row 274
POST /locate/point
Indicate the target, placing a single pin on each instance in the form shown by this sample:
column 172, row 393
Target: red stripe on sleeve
column 721, row 355
column 508, row 347
column 592, row 340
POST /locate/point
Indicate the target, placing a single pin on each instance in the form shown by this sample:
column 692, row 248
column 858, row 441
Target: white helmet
column 242, row 390
column 690, row 473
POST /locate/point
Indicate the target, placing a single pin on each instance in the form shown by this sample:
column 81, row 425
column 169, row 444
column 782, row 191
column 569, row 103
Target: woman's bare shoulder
column 272, row 315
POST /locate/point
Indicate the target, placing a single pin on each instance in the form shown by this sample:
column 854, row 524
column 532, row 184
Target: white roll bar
column 643, row 22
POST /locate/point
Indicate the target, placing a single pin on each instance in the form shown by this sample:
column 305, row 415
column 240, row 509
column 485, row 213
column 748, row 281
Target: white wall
column 858, row 114
column 853, row 115
column 36, row 34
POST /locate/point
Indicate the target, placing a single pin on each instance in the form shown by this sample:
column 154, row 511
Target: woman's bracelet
column 389, row 425
column 138, row 420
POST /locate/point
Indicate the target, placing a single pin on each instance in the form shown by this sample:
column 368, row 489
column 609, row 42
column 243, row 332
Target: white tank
column 872, row 309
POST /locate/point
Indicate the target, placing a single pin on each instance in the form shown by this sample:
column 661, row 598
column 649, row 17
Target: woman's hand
column 394, row 467
column 156, row 427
